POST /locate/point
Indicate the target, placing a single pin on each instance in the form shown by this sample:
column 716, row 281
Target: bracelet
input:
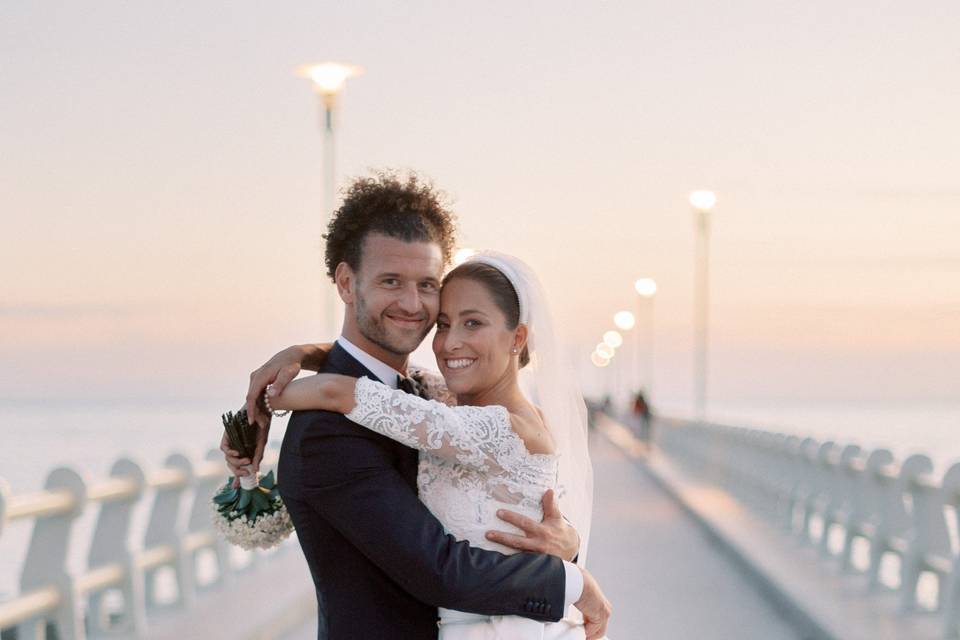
column 266, row 401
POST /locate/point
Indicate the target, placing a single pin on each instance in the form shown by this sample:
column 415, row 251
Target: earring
column 513, row 351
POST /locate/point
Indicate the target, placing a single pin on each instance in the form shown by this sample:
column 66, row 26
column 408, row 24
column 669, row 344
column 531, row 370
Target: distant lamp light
column 624, row 320
column 599, row 360
column 329, row 77
column 646, row 287
column 703, row 200
column 605, row 350
column 462, row 255
column 613, row 339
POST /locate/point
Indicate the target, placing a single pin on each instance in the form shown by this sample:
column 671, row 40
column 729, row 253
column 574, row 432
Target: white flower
column 268, row 530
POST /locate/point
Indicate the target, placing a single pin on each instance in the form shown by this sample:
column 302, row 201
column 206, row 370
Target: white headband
column 510, row 274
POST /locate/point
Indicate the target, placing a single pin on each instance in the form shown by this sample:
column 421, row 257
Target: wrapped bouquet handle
column 251, row 516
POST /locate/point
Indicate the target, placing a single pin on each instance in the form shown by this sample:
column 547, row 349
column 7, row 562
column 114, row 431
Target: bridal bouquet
column 251, row 516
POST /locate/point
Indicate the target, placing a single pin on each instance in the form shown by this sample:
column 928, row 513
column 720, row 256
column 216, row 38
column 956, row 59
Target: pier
column 710, row 531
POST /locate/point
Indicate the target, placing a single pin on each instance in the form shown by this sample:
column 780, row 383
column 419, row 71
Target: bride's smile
column 474, row 343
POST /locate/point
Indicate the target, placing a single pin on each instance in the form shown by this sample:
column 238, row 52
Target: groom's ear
column 346, row 281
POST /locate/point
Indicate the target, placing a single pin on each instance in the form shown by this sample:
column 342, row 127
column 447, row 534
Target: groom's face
column 397, row 292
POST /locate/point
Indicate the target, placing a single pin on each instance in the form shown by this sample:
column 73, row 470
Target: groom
column 381, row 563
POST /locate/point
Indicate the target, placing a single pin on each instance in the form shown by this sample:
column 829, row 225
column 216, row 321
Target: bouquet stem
column 251, row 480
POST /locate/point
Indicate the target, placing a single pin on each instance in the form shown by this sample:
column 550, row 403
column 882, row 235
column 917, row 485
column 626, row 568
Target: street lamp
column 613, row 338
column 599, row 360
column 328, row 80
column 624, row 320
column 646, row 288
column 702, row 203
column 605, row 350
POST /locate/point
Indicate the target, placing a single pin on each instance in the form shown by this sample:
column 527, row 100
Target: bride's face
column 472, row 342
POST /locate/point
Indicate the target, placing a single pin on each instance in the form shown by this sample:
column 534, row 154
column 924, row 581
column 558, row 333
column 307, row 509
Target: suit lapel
column 339, row 361
column 407, row 459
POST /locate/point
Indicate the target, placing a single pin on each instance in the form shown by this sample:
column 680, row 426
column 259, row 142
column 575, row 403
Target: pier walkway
column 664, row 576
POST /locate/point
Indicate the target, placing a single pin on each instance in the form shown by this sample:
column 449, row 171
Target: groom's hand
column 279, row 371
column 553, row 535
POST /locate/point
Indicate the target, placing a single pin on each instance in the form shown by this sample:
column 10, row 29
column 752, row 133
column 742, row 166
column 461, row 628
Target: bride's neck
column 506, row 392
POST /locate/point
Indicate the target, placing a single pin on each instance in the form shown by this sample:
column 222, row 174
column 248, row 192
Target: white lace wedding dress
column 472, row 463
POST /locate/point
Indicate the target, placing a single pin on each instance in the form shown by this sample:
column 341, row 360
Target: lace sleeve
column 479, row 437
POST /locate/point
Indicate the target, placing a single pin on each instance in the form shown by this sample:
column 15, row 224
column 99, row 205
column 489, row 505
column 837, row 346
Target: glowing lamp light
column 624, row 320
column 599, row 360
column 329, row 77
column 461, row 256
column 613, row 339
column 605, row 350
column 645, row 287
column 703, row 200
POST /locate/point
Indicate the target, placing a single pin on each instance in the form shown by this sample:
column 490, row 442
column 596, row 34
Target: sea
column 90, row 436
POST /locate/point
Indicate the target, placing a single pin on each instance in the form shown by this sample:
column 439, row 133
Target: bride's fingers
column 590, row 628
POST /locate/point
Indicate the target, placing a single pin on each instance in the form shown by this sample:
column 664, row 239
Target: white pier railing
column 840, row 498
column 122, row 585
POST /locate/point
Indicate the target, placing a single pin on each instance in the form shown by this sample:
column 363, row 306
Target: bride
column 495, row 448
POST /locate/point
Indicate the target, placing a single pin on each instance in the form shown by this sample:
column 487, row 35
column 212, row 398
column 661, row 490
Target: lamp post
column 646, row 288
column 625, row 321
column 328, row 81
column 702, row 203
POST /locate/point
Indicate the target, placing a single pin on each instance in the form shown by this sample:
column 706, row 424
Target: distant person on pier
column 643, row 414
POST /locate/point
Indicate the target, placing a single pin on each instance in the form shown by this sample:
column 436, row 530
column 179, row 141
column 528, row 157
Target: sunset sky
column 160, row 180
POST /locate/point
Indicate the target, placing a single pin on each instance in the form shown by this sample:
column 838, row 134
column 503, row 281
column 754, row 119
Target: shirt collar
column 386, row 373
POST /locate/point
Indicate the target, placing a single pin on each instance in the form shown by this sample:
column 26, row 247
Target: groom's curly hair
column 404, row 207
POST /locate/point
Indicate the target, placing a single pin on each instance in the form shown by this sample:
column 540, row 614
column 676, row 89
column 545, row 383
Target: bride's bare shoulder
column 532, row 429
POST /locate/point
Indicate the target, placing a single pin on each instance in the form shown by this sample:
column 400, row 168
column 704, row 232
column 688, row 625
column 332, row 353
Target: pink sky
column 160, row 180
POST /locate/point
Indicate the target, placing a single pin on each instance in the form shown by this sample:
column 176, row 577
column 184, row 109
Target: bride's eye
column 442, row 326
column 473, row 324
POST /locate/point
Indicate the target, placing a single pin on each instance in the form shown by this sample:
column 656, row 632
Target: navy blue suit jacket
column 380, row 561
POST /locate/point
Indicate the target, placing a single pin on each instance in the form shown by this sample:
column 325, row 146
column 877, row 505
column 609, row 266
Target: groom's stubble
column 371, row 326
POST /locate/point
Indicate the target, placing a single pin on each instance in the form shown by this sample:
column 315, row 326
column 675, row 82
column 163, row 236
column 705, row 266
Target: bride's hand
column 594, row 606
column 235, row 463
column 279, row 371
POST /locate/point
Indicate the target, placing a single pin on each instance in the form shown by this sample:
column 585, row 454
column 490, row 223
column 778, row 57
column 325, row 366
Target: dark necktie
column 409, row 385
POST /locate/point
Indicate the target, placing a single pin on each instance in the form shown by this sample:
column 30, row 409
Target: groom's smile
column 396, row 292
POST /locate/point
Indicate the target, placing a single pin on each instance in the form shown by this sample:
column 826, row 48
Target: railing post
column 111, row 545
column 808, row 496
column 837, row 500
column 200, row 519
column 46, row 561
column 162, row 531
column 893, row 523
column 792, row 481
column 950, row 597
column 858, row 503
column 928, row 535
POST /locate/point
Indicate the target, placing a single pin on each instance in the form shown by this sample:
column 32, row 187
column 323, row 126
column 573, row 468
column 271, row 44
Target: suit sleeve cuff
column 574, row 585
